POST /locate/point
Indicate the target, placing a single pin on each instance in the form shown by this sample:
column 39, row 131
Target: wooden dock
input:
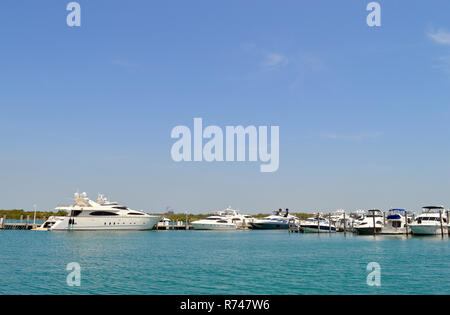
column 21, row 225
column 164, row 227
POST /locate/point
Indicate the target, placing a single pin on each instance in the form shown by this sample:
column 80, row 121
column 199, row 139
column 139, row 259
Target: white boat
column 317, row 225
column 432, row 221
column 228, row 219
column 371, row 223
column 278, row 221
column 165, row 221
column 355, row 217
column 341, row 220
column 87, row 215
column 397, row 222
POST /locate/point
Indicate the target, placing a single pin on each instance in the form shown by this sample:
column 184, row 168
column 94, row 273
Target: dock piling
column 345, row 225
column 374, row 227
column 406, row 222
column 329, row 223
column 318, row 222
column 448, row 222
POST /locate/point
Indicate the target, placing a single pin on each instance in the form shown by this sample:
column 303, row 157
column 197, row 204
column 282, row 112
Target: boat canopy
column 433, row 209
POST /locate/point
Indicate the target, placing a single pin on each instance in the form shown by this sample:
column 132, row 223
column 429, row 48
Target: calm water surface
column 240, row 262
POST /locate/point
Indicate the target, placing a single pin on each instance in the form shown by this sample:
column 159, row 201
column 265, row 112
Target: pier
column 161, row 226
column 21, row 225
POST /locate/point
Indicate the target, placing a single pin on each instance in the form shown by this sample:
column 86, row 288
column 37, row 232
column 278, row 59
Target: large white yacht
column 371, row 223
column 431, row 221
column 86, row 214
column 278, row 220
column 228, row 219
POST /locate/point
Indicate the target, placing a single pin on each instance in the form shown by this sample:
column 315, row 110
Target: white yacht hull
column 103, row 223
column 213, row 226
column 421, row 229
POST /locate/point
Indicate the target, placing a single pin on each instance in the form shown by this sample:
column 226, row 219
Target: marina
column 104, row 215
column 432, row 221
column 227, row 252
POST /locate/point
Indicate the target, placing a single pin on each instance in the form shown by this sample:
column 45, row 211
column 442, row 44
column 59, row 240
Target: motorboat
column 397, row 222
column 371, row 223
column 432, row 221
column 228, row 219
column 277, row 221
column 317, row 224
column 341, row 220
column 88, row 215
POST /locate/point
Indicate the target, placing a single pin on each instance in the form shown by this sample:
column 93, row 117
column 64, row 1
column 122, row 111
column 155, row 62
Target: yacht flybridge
column 86, row 214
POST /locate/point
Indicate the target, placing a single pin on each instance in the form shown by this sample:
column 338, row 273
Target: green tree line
column 16, row 213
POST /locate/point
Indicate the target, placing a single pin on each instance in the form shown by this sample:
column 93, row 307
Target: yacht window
column 102, row 213
column 135, row 213
column 121, row 208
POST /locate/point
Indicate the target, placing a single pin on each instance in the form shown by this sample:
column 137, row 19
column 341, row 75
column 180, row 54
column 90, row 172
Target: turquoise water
column 240, row 262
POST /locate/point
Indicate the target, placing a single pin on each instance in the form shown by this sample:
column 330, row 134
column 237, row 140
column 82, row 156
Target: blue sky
column 363, row 112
